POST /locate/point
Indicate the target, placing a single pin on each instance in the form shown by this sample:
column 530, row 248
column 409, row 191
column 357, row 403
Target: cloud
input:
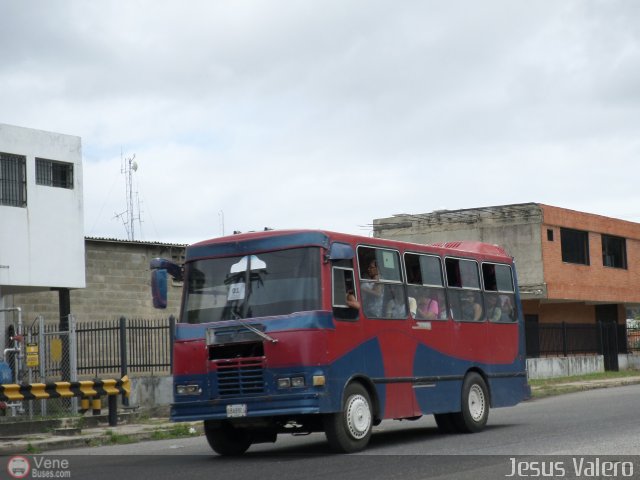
column 296, row 114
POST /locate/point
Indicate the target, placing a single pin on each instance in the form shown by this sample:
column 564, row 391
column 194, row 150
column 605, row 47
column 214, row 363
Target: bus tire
column 475, row 405
column 349, row 431
column 445, row 422
column 224, row 439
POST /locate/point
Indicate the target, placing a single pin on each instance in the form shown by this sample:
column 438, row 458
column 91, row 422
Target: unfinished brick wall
column 595, row 281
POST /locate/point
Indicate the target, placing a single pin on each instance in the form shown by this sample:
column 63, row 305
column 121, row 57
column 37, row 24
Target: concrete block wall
column 552, row 367
column 628, row 361
column 150, row 392
column 118, row 284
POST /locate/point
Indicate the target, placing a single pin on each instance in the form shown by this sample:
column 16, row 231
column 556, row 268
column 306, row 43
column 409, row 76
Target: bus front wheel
column 350, row 430
column 475, row 405
column 224, row 439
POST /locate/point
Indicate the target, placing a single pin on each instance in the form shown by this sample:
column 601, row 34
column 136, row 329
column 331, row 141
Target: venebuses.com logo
column 38, row 467
column 18, row 467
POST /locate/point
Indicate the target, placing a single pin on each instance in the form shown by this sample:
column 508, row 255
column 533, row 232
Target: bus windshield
column 249, row 286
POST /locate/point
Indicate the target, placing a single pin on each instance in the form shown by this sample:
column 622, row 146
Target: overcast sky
column 328, row 114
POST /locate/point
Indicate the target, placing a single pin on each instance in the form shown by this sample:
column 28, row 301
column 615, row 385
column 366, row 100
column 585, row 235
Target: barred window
column 53, row 173
column 13, row 180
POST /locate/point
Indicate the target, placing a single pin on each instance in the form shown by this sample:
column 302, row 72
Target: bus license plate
column 237, row 410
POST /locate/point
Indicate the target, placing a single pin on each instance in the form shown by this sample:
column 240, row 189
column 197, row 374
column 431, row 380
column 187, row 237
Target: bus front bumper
column 249, row 407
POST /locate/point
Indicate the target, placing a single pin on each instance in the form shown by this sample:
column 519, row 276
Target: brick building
column 573, row 267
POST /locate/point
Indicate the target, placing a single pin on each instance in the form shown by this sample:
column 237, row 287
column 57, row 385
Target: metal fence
column 564, row 339
column 125, row 346
column 47, row 353
column 633, row 339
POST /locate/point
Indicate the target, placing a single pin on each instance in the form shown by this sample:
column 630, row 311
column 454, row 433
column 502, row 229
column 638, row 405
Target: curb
column 570, row 387
column 38, row 443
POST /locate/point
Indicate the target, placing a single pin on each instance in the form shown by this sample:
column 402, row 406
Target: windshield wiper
column 253, row 329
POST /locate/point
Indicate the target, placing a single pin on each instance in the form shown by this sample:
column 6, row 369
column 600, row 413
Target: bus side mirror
column 173, row 269
column 159, row 288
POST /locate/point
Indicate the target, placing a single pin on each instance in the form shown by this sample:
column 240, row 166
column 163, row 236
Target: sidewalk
column 27, row 438
column 100, row 433
column 560, row 387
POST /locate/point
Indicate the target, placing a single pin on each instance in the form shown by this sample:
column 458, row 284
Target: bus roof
column 238, row 244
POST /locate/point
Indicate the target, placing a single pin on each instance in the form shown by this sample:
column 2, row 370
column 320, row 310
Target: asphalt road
column 563, row 433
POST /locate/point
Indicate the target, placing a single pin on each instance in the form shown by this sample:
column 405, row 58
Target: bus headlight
column 284, row 382
column 297, row 382
column 291, row 382
column 188, row 390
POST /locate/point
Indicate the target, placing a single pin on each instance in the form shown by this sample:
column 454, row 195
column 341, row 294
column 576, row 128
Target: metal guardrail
column 87, row 390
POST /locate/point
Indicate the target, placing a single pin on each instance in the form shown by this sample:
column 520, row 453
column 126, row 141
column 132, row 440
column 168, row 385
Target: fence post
column 124, row 368
column 172, row 337
column 113, row 410
column 41, row 360
column 73, row 358
column 564, row 340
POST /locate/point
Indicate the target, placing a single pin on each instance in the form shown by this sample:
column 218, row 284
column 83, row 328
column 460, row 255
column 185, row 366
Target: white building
column 41, row 213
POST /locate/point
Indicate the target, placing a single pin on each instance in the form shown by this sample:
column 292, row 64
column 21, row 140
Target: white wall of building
column 42, row 244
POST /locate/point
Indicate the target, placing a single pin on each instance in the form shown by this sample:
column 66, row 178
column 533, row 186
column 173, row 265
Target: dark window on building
column 53, row 173
column 575, row 246
column 550, row 235
column 614, row 251
column 13, row 180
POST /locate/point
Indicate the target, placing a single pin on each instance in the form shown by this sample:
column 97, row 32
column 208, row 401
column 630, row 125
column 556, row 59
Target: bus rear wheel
column 349, row 431
column 225, row 439
column 475, row 405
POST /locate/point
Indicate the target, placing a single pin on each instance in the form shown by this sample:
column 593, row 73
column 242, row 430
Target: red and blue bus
column 296, row 332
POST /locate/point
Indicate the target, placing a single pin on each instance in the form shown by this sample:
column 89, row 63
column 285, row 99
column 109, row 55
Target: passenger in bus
column 508, row 312
column 372, row 291
column 471, row 308
column 395, row 307
column 351, row 299
column 413, row 306
column 494, row 310
column 428, row 308
column 442, row 303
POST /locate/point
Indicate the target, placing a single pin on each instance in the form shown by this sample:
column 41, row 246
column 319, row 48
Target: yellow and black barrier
column 89, row 391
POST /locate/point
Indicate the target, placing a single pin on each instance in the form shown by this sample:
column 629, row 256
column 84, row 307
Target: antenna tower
column 132, row 214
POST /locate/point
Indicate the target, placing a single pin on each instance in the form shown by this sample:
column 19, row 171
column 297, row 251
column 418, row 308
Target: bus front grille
column 240, row 377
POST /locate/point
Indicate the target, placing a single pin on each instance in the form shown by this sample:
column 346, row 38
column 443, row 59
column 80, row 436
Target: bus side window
column 381, row 286
column 463, row 282
column 499, row 292
column 425, row 287
column 344, row 298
